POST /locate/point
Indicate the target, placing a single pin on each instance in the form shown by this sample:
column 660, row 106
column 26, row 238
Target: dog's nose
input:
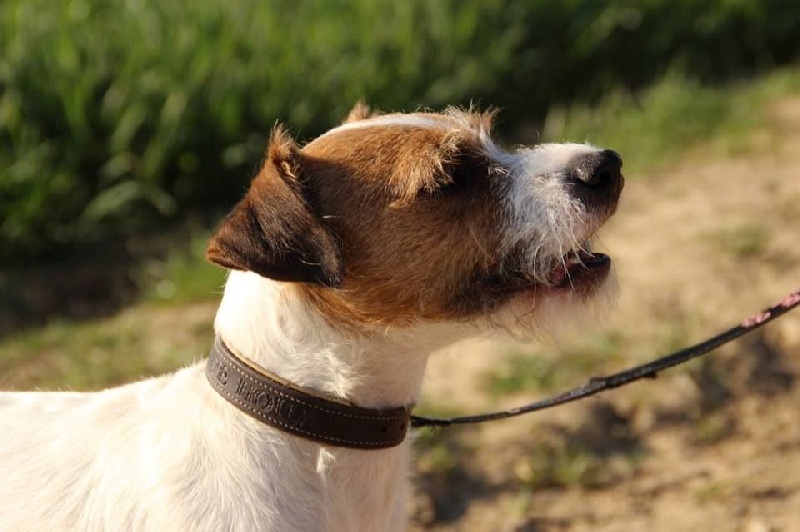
column 604, row 170
column 597, row 178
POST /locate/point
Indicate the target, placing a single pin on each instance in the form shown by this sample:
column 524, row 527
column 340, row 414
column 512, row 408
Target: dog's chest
column 169, row 454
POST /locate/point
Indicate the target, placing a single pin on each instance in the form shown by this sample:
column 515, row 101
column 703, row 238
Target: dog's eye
column 465, row 173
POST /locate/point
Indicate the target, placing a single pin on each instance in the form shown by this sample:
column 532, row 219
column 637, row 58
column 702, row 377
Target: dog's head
column 406, row 218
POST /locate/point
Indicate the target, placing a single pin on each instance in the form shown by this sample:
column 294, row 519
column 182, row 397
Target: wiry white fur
column 544, row 214
column 171, row 454
column 407, row 120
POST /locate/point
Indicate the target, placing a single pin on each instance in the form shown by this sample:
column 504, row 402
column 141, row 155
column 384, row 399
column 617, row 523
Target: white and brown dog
column 353, row 258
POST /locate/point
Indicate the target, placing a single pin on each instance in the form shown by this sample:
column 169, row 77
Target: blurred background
column 127, row 128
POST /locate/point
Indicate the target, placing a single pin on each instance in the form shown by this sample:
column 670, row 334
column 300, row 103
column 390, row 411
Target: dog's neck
column 265, row 322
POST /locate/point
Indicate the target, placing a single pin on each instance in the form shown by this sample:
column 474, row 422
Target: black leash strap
column 645, row 371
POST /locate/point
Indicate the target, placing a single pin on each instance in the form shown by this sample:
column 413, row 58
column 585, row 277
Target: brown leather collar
column 287, row 408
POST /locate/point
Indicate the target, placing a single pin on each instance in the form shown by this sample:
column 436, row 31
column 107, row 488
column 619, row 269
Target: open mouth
column 580, row 269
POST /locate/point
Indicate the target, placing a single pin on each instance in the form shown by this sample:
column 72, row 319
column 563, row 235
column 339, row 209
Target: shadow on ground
column 85, row 282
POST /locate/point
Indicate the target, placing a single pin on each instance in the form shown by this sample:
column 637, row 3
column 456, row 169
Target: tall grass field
column 118, row 115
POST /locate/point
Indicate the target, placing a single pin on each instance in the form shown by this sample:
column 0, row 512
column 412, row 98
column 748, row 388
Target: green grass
column 746, row 241
column 142, row 341
column 549, row 369
column 712, row 428
column 523, row 372
column 116, row 115
column 713, row 491
column 655, row 126
column 184, row 276
column 567, row 464
column 169, row 326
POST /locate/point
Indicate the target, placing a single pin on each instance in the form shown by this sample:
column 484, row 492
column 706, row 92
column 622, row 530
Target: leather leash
column 280, row 404
column 615, row 380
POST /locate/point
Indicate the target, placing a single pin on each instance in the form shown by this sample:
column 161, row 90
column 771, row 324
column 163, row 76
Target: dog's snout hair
column 352, row 258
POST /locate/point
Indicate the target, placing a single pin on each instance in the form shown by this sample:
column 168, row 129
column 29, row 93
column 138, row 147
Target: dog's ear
column 360, row 111
column 274, row 230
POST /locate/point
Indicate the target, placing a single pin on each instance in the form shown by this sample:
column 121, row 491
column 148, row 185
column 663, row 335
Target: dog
column 352, row 259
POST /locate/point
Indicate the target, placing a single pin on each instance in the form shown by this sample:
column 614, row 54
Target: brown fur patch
column 418, row 215
column 360, row 111
column 274, row 230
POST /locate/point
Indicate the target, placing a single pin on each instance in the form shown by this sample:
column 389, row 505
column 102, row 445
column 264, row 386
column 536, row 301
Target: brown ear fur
column 274, row 231
column 360, row 111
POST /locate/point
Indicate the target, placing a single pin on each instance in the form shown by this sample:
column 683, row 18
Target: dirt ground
column 697, row 245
